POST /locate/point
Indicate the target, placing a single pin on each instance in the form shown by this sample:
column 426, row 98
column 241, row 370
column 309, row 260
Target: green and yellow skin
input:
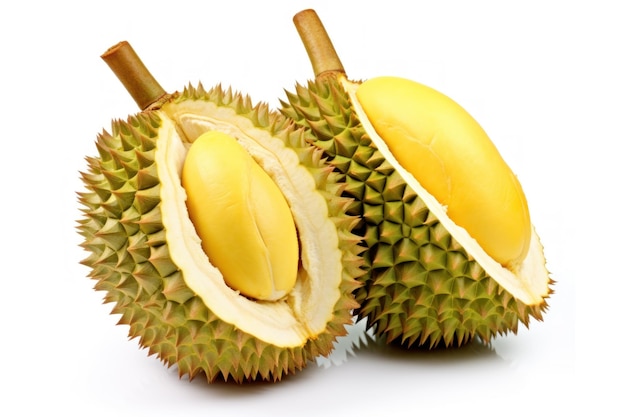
column 451, row 253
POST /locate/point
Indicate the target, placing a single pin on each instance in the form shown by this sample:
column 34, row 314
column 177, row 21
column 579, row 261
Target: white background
column 546, row 79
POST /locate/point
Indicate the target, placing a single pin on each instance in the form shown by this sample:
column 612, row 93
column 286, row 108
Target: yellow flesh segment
column 450, row 154
column 242, row 218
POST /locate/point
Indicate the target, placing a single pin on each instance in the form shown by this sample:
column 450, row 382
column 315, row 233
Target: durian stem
column 317, row 43
column 131, row 71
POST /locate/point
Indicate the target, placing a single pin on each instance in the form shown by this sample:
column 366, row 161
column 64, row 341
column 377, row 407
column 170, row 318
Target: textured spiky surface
column 130, row 262
column 421, row 287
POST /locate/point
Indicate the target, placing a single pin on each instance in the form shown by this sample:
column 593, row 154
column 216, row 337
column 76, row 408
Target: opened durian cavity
column 305, row 310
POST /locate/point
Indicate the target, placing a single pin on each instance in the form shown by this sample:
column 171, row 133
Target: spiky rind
column 421, row 287
column 129, row 255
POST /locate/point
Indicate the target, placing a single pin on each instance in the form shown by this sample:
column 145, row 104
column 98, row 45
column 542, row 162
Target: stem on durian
column 317, row 43
column 131, row 71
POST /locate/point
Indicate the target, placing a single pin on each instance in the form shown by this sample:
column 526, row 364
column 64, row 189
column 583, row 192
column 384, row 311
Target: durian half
column 450, row 251
column 145, row 252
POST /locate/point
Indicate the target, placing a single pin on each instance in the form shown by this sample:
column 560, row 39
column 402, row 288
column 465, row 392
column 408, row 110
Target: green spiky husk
column 421, row 287
column 129, row 256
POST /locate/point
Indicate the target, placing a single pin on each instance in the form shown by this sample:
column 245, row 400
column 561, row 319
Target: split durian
column 217, row 232
column 450, row 252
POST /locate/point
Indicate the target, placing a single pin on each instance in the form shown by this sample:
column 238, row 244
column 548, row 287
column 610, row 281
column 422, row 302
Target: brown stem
column 133, row 74
column 317, row 43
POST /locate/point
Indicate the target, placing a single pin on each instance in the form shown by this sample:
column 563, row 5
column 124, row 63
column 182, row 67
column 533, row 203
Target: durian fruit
column 274, row 288
column 451, row 255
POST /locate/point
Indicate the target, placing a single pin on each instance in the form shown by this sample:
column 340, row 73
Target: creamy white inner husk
column 528, row 283
column 306, row 311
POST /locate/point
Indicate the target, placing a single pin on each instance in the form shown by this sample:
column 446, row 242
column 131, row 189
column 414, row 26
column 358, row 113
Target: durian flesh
column 446, row 157
column 445, row 149
column 242, row 218
column 146, row 255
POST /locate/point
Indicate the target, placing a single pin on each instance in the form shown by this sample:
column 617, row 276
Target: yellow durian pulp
column 450, row 154
column 241, row 216
column 448, row 159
